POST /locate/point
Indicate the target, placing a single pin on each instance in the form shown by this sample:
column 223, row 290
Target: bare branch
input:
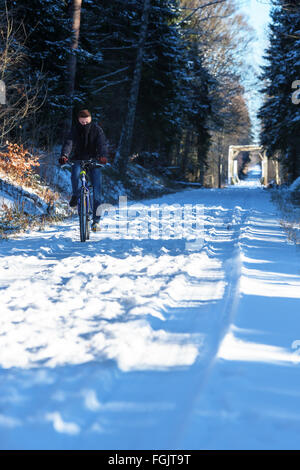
column 200, row 8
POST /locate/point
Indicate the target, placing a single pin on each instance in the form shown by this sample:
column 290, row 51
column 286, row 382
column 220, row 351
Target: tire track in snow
column 234, row 268
column 231, row 256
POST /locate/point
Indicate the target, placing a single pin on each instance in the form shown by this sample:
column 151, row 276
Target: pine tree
column 112, row 29
column 75, row 13
column 198, row 111
column 48, row 26
column 108, row 37
column 280, row 117
column 125, row 142
column 164, row 83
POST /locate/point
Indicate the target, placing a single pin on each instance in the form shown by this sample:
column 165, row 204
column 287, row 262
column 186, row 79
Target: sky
column 258, row 12
column 259, row 18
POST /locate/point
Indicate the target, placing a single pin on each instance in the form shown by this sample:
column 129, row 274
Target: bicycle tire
column 88, row 218
column 83, row 215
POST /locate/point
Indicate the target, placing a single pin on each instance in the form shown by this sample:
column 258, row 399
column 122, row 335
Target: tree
column 124, row 147
column 112, row 29
column 280, row 117
column 150, row 72
column 75, row 11
column 47, row 32
column 24, row 94
column 222, row 35
column 198, row 111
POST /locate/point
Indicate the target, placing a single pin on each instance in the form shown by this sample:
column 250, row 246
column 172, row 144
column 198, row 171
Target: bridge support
column 265, row 167
column 232, row 166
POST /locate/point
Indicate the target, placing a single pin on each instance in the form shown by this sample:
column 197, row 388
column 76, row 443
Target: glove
column 63, row 160
column 102, row 160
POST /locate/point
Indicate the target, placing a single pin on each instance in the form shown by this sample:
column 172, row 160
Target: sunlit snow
column 134, row 342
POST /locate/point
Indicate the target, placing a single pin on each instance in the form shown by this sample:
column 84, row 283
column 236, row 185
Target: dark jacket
column 86, row 142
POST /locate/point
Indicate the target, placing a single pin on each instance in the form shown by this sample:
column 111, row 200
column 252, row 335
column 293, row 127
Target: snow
column 295, row 186
column 16, row 196
column 6, row 200
column 138, row 342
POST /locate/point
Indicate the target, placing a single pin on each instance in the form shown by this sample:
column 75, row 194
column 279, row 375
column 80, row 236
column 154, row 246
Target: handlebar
column 93, row 163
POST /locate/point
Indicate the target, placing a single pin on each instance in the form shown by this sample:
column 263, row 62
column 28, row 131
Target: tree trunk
column 186, row 151
column 75, row 11
column 200, row 161
column 123, row 151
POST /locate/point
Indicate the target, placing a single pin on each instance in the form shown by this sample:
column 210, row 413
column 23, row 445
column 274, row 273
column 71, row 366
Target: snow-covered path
column 140, row 343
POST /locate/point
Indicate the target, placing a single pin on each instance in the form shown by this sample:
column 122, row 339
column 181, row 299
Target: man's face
column 85, row 120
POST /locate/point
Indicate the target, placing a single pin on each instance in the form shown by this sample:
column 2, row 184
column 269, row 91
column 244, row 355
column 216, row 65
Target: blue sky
column 258, row 12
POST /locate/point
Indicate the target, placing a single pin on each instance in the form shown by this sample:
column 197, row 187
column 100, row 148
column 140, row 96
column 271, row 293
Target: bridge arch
column 233, row 153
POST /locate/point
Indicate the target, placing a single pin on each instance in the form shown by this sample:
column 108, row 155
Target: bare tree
column 23, row 95
column 195, row 9
column 123, row 151
column 223, row 35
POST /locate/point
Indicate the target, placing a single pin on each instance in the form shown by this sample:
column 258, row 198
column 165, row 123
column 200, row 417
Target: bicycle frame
column 85, row 165
column 84, row 185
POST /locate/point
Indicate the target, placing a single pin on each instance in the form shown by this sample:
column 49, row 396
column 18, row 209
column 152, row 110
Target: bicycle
column 84, row 203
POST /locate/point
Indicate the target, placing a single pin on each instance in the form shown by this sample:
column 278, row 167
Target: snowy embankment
column 180, row 337
column 26, row 200
column 138, row 182
column 288, row 200
column 295, row 186
column 22, row 205
column 22, row 200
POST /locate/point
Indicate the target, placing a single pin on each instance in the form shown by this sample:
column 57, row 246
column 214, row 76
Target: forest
column 165, row 79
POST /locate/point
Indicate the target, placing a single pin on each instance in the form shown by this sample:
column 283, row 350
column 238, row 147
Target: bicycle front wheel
column 83, row 216
column 87, row 231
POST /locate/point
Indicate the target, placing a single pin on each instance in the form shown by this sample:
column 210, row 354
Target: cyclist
column 87, row 140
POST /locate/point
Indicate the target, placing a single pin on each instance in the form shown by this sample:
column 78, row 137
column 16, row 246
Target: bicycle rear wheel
column 83, row 216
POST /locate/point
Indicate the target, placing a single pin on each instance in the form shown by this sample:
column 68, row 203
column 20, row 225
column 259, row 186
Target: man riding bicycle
column 87, row 140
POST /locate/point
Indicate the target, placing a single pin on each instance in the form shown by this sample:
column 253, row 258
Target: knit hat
column 84, row 113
